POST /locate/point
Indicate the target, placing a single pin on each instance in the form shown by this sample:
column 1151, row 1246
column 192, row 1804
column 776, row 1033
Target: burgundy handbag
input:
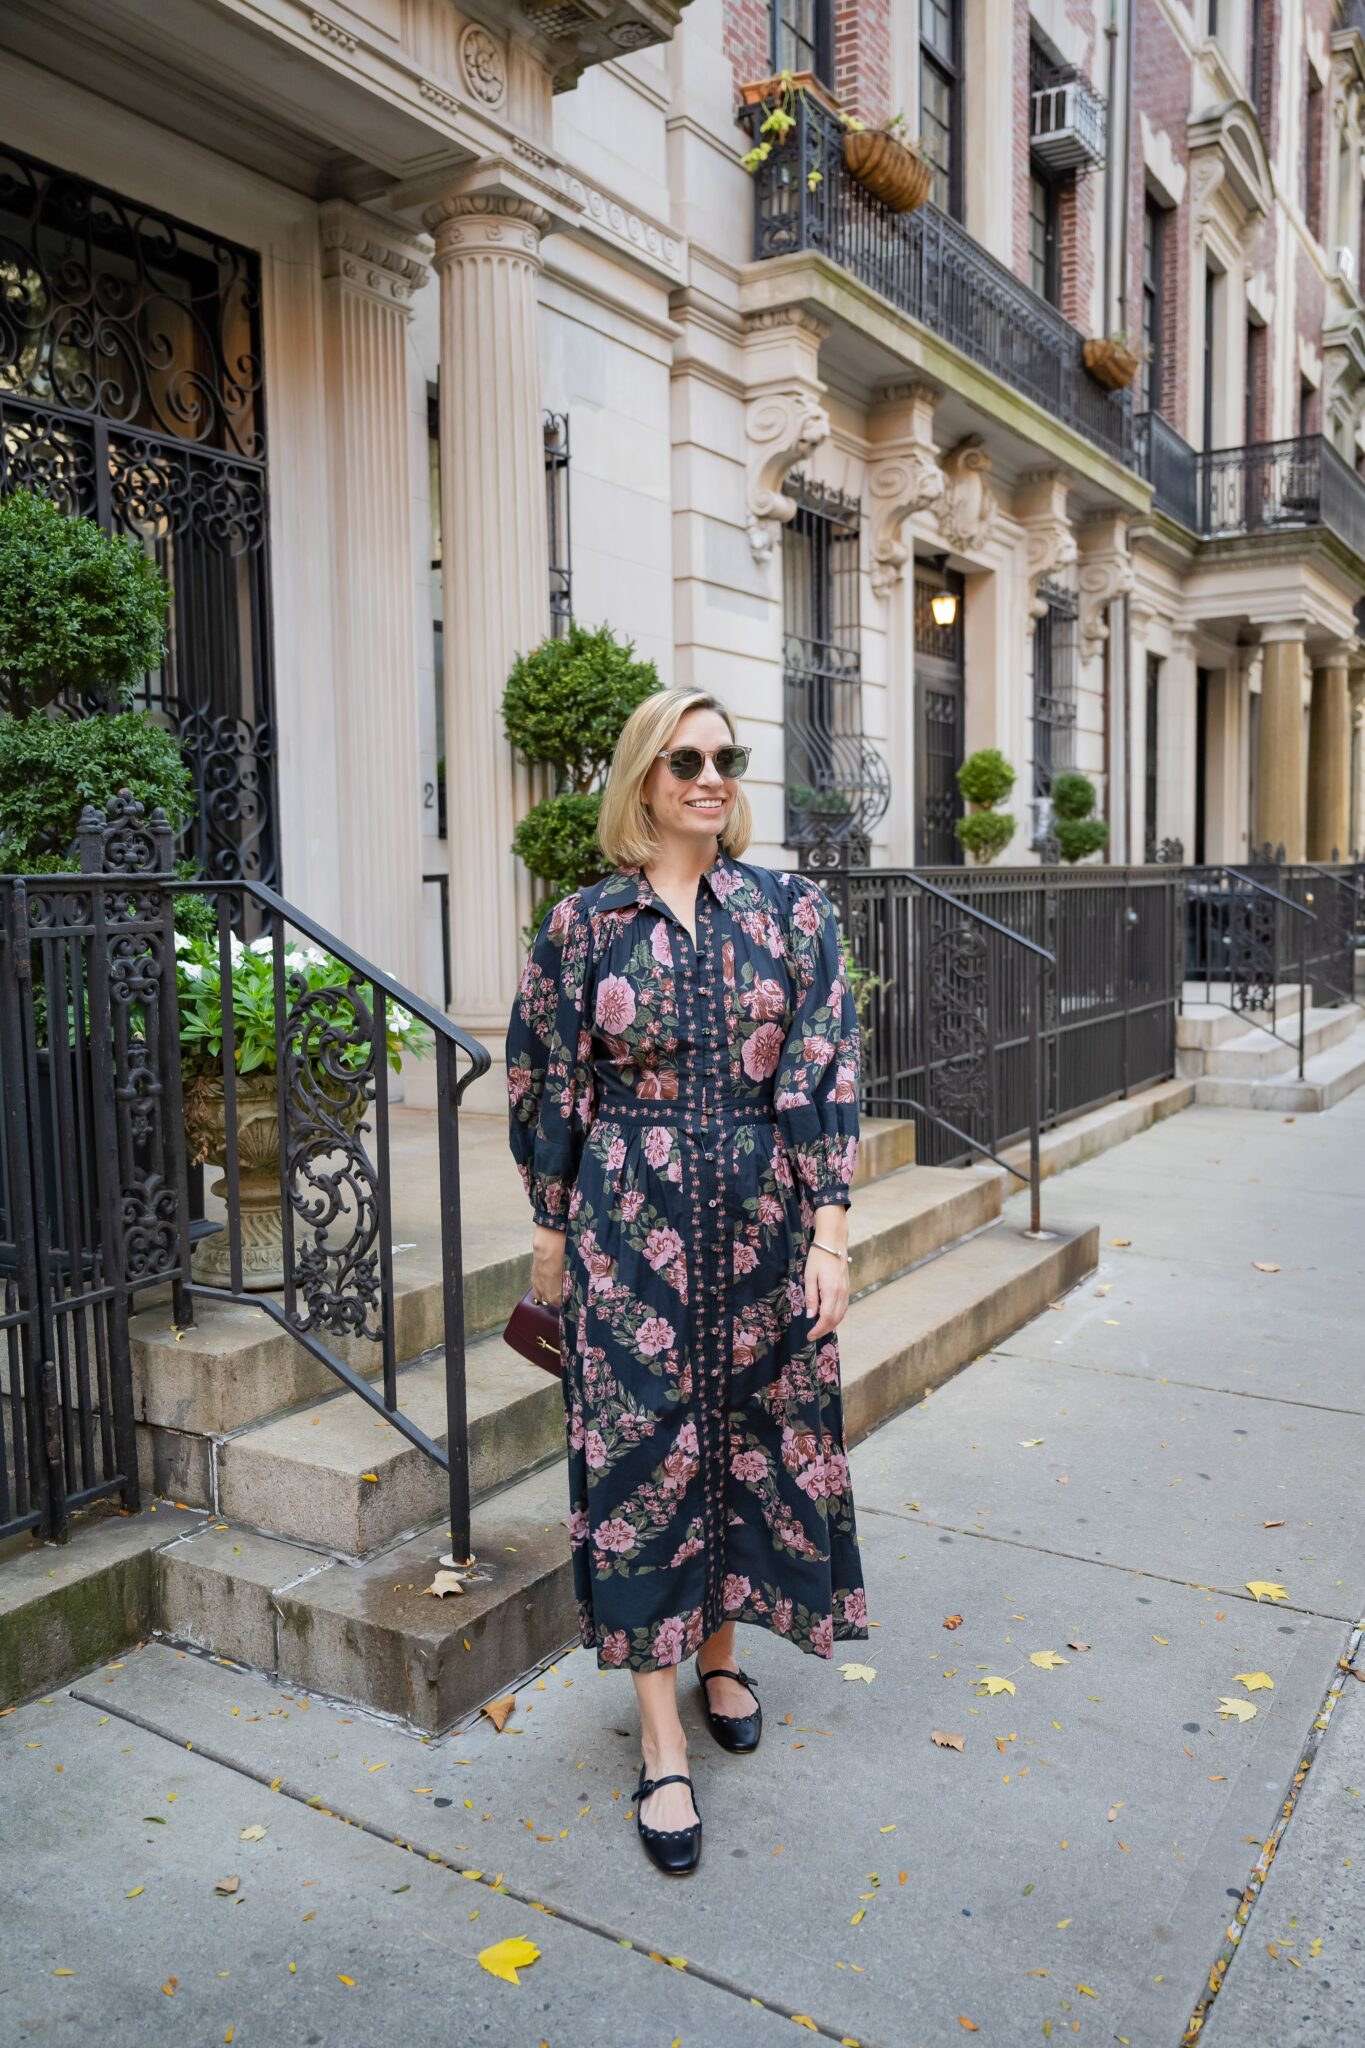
column 533, row 1331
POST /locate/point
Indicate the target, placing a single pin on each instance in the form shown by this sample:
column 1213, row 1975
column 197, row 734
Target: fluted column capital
column 371, row 255
column 481, row 223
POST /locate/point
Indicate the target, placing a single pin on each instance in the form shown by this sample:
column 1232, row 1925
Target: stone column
column 1329, row 755
column 496, row 567
column 1279, row 767
column 370, row 268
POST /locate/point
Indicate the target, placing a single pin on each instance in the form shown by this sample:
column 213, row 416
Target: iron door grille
column 1056, row 668
column 939, row 722
column 132, row 392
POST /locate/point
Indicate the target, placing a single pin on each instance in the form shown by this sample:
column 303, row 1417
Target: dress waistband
column 657, row 1111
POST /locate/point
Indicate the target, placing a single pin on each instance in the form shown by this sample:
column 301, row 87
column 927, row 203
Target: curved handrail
column 1266, row 890
column 479, row 1057
column 992, row 924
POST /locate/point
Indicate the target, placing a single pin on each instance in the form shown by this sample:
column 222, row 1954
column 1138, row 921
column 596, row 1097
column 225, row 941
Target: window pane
column 936, row 130
column 797, row 36
column 1038, row 236
column 936, row 27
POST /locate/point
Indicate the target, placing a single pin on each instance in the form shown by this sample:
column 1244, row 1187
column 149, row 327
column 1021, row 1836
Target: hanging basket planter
column 897, row 175
column 1111, row 363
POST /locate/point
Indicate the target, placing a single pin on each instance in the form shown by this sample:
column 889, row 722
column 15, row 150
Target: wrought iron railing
column 1265, row 487
column 94, row 1159
column 929, row 267
column 964, row 1030
column 1245, row 940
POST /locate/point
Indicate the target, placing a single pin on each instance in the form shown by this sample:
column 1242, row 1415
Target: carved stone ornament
column 903, row 477
column 369, row 254
column 969, row 503
column 483, row 65
column 1051, row 542
column 1101, row 579
column 782, row 427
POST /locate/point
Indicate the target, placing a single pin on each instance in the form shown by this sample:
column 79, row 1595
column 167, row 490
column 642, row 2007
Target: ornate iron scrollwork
column 1251, row 947
column 329, row 1055
column 957, row 1051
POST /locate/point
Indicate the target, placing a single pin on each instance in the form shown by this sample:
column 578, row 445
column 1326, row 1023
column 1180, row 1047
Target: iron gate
column 939, row 719
column 131, row 392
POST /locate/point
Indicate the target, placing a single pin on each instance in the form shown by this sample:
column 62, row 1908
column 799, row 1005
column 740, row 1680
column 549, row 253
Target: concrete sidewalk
column 1075, row 1869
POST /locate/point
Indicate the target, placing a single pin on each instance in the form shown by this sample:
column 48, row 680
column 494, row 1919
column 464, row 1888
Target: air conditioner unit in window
column 1066, row 125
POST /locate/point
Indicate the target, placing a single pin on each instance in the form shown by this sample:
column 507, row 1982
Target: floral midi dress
column 680, row 1110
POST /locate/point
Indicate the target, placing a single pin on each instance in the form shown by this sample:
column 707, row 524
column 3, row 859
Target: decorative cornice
column 623, row 224
column 969, row 504
column 483, row 65
column 371, row 254
column 1104, row 575
column 332, row 32
column 436, row 96
column 903, row 476
column 1051, row 542
column 782, row 427
column 798, row 318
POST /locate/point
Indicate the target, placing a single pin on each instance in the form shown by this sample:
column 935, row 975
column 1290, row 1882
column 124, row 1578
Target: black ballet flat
column 675, row 1851
column 736, row 1732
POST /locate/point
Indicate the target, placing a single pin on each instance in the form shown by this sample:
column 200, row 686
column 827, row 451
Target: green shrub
column 566, row 701
column 985, row 833
column 80, row 609
column 1072, row 795
column 50, row 768
column 831, row 802
column 557, row 840
column 1078, row 837
column 985, row 777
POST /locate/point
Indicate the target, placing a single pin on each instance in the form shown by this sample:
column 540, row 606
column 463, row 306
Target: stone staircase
column 301, row 1529
column 1239, row 1064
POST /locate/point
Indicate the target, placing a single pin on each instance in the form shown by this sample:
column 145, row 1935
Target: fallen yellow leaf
column 136, row 1892
column 970, row 2025
column 1255, row 1681
column 803, row 2019
column 1086, row 1992
column 864, row 1671
column 342, row 1979
column 254, row 1833
column 1265, row 1589
column 373, row 1477
column 1241, row 1710
column 504, row 1958
column 227, row 1886
column 443, row 1583
column 1046, row 1660
column 1029, row 1443
column 946, row 1741
column 498, row 1710
column 992, row 1686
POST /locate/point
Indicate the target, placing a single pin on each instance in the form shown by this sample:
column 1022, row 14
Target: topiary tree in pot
column 564, row 705
column 1077, row 832
column 985, row 780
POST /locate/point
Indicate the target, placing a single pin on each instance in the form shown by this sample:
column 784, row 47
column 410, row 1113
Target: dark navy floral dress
column 681, row 1111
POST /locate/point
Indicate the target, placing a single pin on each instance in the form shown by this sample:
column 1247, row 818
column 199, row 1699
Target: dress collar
column 625, row 886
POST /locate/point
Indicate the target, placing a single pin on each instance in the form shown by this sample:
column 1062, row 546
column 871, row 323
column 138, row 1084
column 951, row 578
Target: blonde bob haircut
column 625, row 830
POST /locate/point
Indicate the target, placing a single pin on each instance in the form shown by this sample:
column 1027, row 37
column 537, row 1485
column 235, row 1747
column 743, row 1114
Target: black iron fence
column 128, row 1051
column 1007, row 1000
column 1267, row 923
column 927, row 264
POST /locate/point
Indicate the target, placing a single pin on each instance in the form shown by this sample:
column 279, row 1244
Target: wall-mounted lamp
column 943, row 603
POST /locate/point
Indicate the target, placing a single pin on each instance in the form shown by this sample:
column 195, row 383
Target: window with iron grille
column 826, row 770
column 940, row 122
column 557, row 522
column 1056, row 667
column 802, row 37
column 132, row 393
column 940, row 684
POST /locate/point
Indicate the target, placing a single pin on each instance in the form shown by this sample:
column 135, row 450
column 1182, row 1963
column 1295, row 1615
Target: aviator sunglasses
column 686, row 762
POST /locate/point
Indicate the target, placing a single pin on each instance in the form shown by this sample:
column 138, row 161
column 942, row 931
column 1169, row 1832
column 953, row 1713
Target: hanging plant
column 1111, row 361
column 889, row 164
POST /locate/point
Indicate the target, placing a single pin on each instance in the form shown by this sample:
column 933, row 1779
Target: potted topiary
column 1077, row 832
column 985, row 780
column 1111, row 361
column 564, row 705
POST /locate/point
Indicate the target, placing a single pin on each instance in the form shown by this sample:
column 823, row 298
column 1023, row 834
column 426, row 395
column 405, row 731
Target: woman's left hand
column 826, row 1291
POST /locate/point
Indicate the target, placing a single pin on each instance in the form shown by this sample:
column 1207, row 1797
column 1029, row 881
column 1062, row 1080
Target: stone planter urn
column 258, row 1153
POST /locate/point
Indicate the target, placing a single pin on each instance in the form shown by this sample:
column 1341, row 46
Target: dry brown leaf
column 1273, row 1525
column 1074, row 1643
column 1120, row 1244
column 443, row 1583
column 227, row 1885
column 946, row 1741
column 970, row 2025
column 1265, row 1266
column 952, row 1621
column 498, row 1710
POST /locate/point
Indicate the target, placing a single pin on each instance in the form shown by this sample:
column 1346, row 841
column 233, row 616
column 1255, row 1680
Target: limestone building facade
column 401, row 329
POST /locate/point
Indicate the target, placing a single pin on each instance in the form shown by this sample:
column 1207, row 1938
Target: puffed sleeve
column 816, row 1086
column 549, row 1062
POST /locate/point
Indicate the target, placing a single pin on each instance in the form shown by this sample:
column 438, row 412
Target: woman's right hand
column 547, row 1263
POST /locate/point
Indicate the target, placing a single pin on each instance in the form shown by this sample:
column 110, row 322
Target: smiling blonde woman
column 682, row 1063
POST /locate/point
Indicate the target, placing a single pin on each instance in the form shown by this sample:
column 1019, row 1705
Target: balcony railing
column 1267, row 487
column 930, row 268
column 1066, row 128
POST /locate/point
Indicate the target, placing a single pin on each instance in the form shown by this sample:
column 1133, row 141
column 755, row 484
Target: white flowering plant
column 256, row 1023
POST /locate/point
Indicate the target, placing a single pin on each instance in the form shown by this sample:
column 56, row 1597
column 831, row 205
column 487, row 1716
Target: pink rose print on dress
column 685, row 1550
column 615, row 1647
column 656, row 1084
column 615, row 1536
column 594, row 1449
column 578, row 1526
column 765, row 1000
column 668, row 1641
column 724, row 883
column 855, row 1607
column 659, row 944
column 749, row 1465
column 845, row 1087
column 770, row 1210
column 806, row 916
column 518, row 1081
column 616, row 1155
column 746, row 1258
column 762, row 1051
column 658, row 1145
column 615, row 1004
column 735, row 1594
column 727, row 962
column 560, row 917
column 782, row 1617
column 818, row 1051
column 653, row 1336
column 661, row 1247
column 822, row 1636
column 632, row 1204
column 687, row 1439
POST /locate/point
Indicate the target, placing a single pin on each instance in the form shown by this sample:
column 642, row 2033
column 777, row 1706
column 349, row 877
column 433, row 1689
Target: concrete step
column 1255, row 1055
column 368, row 1632
column 335, row 1475
column 1203, row 1002
column 1098, row 1130
column 1327, row 1078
